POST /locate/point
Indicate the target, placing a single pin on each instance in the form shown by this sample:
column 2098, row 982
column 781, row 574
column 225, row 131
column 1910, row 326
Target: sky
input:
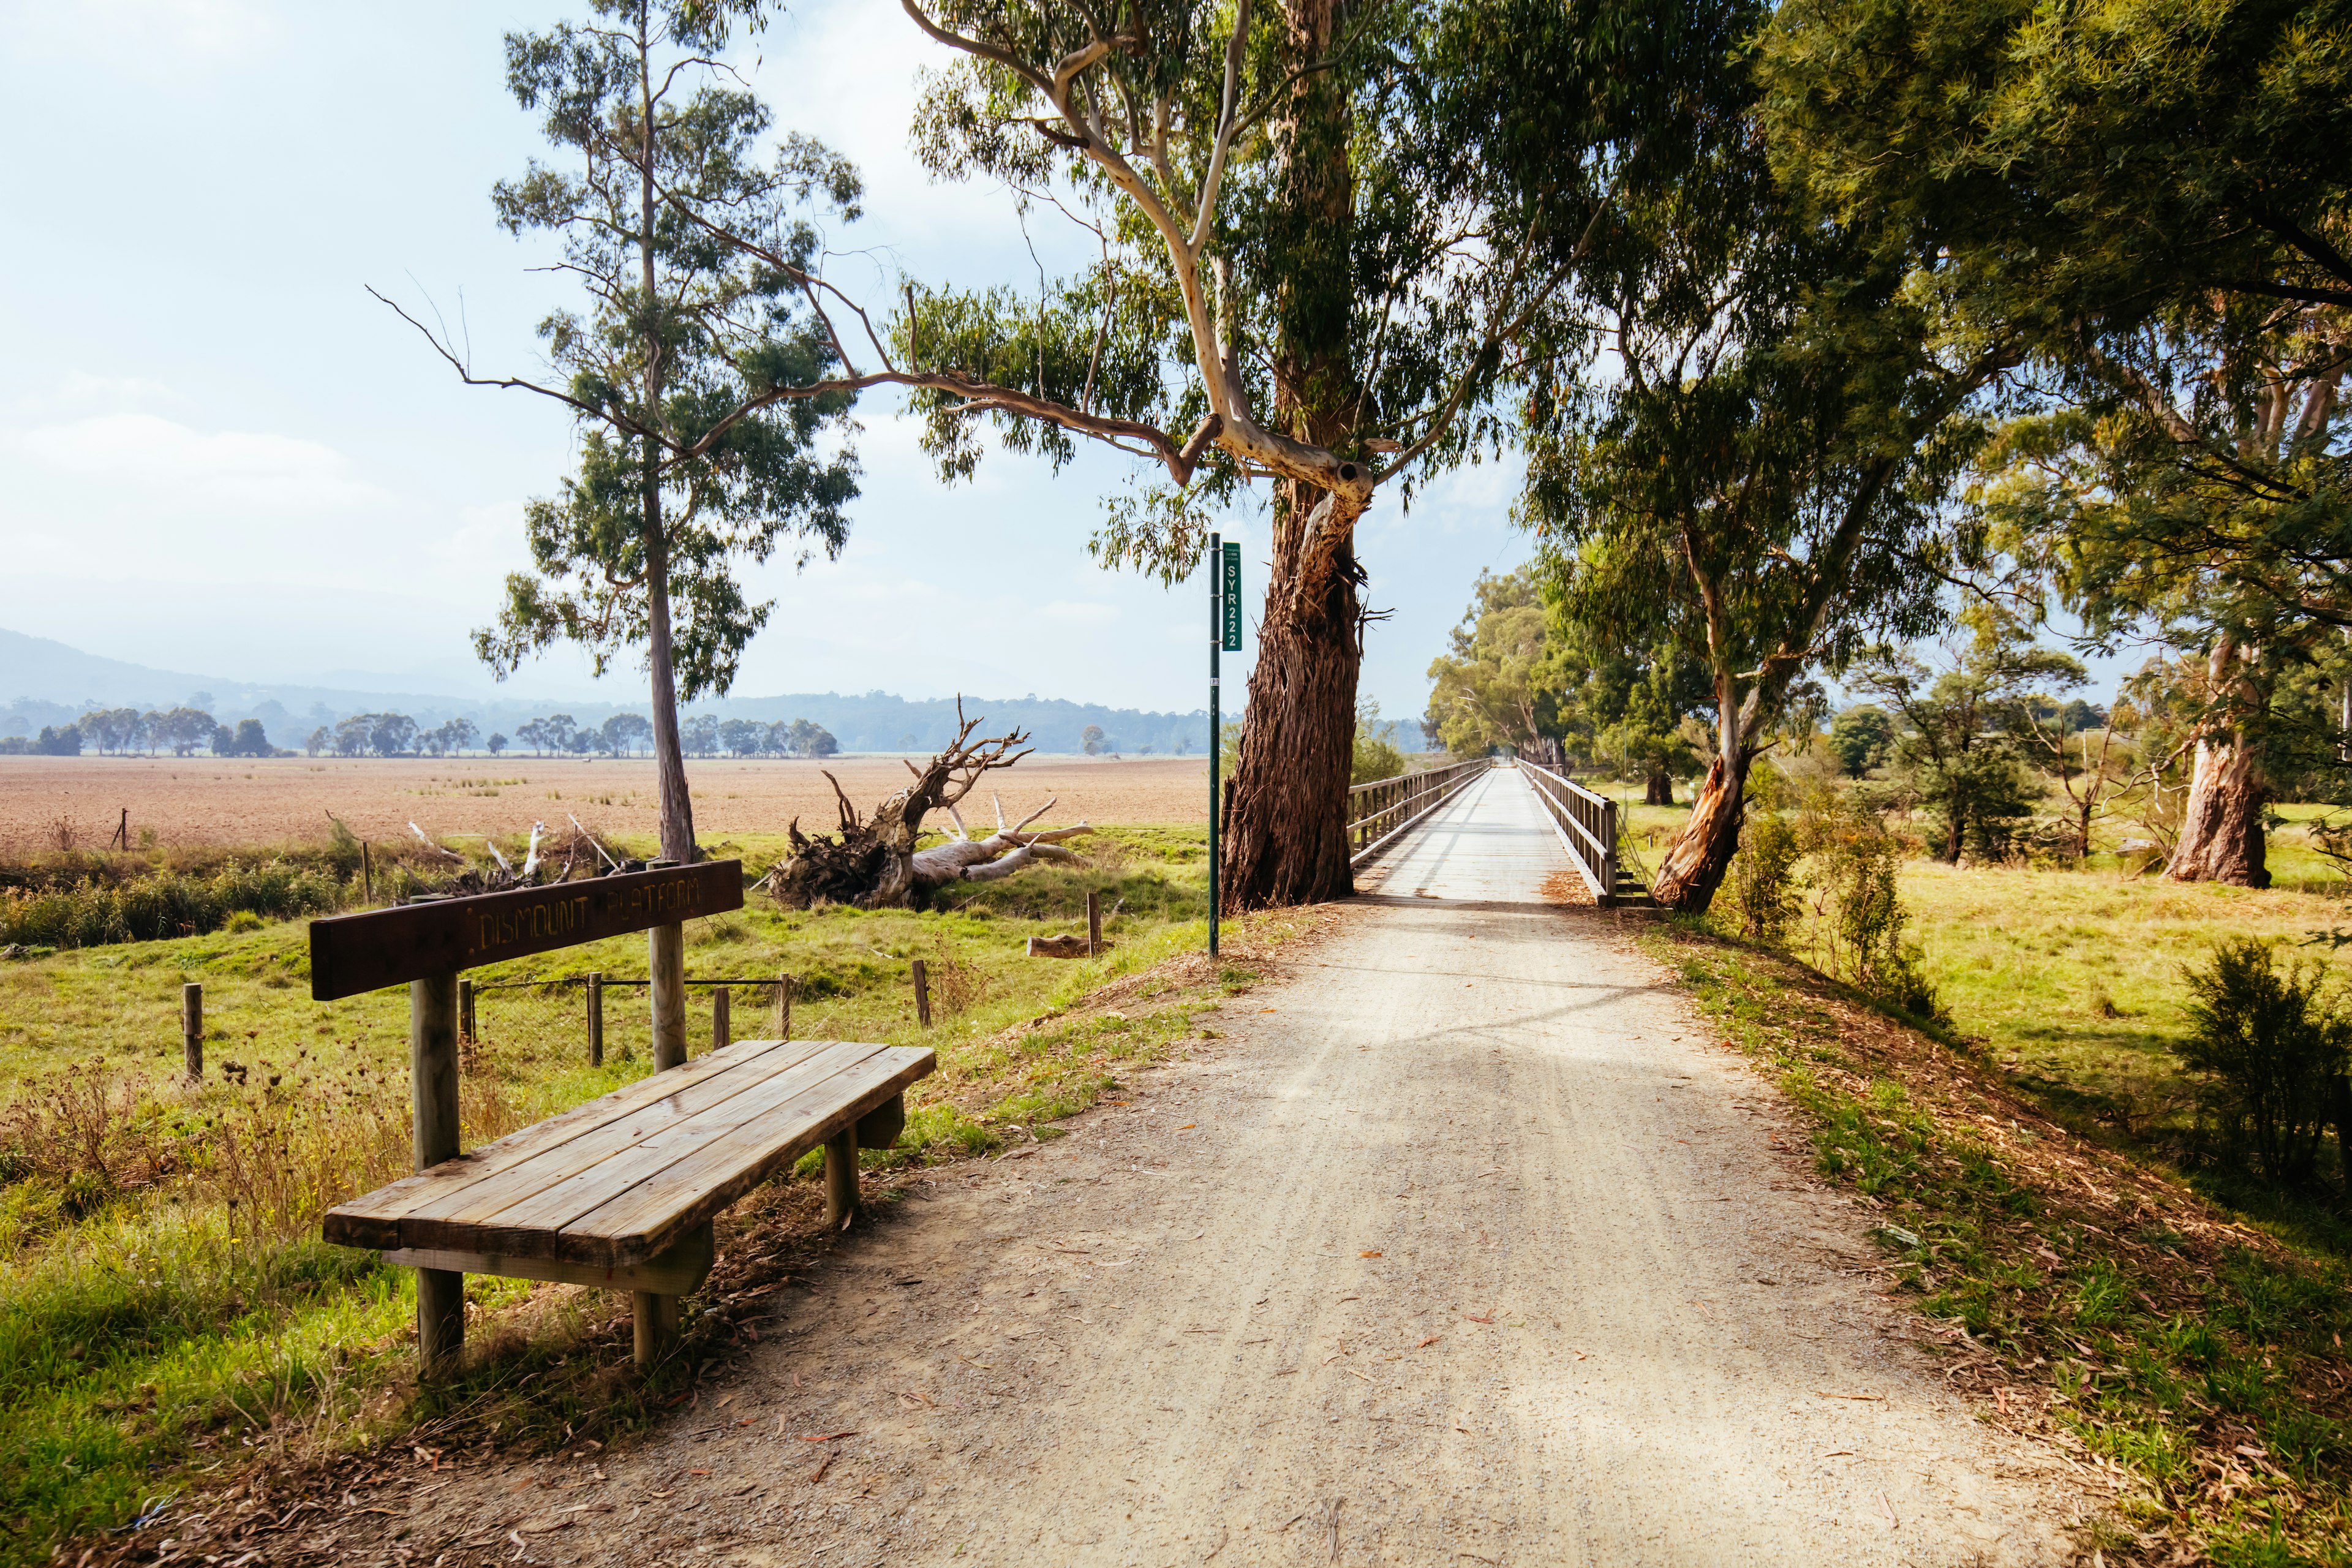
column 222, row 456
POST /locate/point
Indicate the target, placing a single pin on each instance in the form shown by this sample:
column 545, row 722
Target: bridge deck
column 1493, row 843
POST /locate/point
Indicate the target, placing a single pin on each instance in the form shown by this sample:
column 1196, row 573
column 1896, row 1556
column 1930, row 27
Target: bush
column 94, row 911
column 2268, row 1045
column 1862, row 937
column 1764, row 876
column 1376, row 757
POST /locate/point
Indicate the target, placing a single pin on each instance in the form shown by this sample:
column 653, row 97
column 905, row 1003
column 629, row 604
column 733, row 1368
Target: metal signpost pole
column 1216, row 725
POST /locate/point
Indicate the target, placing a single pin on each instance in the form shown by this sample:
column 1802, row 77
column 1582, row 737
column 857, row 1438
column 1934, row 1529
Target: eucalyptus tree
column 690, row 461
column 1327, row 232
column 2191, row 483
column 2153, row 195
column 1761, row 484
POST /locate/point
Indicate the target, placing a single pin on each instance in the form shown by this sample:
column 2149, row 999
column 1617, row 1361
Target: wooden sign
column 351, row 953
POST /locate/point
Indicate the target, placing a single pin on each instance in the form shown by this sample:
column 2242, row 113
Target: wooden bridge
column 1488, row 823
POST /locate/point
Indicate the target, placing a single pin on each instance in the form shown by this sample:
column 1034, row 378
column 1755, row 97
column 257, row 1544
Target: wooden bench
column 620, row 1193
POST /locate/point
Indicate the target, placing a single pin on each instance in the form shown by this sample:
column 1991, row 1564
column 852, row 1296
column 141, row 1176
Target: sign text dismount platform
column 351, row 953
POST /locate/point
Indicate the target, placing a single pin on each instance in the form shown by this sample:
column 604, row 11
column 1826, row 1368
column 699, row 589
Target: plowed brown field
column 212, row 800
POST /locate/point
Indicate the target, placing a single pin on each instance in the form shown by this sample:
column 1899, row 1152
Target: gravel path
column 1464, row 1245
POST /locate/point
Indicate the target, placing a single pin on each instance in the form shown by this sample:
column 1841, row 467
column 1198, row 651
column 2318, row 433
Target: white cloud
column 1071, row 613
column 246, row 469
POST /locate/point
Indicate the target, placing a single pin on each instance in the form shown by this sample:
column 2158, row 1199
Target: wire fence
column 593, row 1018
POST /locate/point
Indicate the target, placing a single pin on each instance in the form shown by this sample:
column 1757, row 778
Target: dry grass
column 52, row 803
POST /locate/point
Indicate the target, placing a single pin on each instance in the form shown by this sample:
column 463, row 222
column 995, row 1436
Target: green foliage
column 2034, row 153
column 1764, row 881
column 1501, row 680
column 688, row 375
column 1376, row 756
column 1760, row 488
column 1862, row 737
column 1857, row 862
column 1286, row 254
column 2150, row 196
column 1962, row 728
column 96, row 911
column 2271, row 1046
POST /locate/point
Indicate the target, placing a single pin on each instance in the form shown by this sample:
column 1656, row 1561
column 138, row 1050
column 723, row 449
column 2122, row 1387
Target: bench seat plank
column 645, row 1126
column 372, row 1220
column 646, row 1219
column 618, row 1181
column 527, row 1219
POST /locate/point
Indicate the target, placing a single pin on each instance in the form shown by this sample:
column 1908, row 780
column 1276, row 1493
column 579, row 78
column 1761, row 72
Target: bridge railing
column 1589, row 823
column 1378, row 810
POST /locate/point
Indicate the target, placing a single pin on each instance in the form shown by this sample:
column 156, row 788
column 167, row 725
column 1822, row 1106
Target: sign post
column 1224, row 637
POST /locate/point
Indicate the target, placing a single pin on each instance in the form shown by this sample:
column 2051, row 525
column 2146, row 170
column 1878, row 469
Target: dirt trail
column 1464, row 1246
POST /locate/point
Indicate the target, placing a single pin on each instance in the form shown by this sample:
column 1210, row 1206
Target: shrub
column 1862, row 937
column 2268, row 1045
column 93, row 910
column 1764, row 876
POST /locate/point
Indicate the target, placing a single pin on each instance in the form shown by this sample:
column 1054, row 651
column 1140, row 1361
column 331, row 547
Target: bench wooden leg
column 840, row 1178
column 657, row 1324
column 440, row 1320
column 879, row 1128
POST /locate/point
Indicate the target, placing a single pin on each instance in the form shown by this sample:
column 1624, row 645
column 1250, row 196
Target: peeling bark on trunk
column 1701, row 853
column 2222, row 837
column 1286, row 812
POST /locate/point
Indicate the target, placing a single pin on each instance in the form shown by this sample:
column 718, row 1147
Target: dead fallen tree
column 873, row 863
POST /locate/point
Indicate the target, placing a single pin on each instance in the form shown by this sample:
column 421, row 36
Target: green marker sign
column 1231, row 597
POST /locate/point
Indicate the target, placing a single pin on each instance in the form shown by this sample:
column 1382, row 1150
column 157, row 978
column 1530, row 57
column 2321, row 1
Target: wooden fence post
column 367, row 873
column 595, row 1017
column 1094, row 924
column 922, row 994
column 465, row 1035
column 433, row 1081
column 783, row 1006
column 722, row 1024
column 1609, row 862
column 665, row 954
column 192, row 1028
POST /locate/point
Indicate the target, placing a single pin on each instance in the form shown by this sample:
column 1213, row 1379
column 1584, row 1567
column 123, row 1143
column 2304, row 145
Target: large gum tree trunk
column 1285, row 814
column 2222, row 837
column 1701, row 853
column 2222, row 825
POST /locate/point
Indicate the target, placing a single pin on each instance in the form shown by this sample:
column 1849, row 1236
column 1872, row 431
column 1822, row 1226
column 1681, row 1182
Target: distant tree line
column 396, row 735
column 126, row 731
column 706, row 736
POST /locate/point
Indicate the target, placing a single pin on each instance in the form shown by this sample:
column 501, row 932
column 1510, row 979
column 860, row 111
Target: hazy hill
column 47, row 683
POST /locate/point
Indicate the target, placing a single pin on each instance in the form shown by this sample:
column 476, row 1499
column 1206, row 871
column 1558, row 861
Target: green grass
column 2073, row 979
column 167, row 1314
column 2114, row 1312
